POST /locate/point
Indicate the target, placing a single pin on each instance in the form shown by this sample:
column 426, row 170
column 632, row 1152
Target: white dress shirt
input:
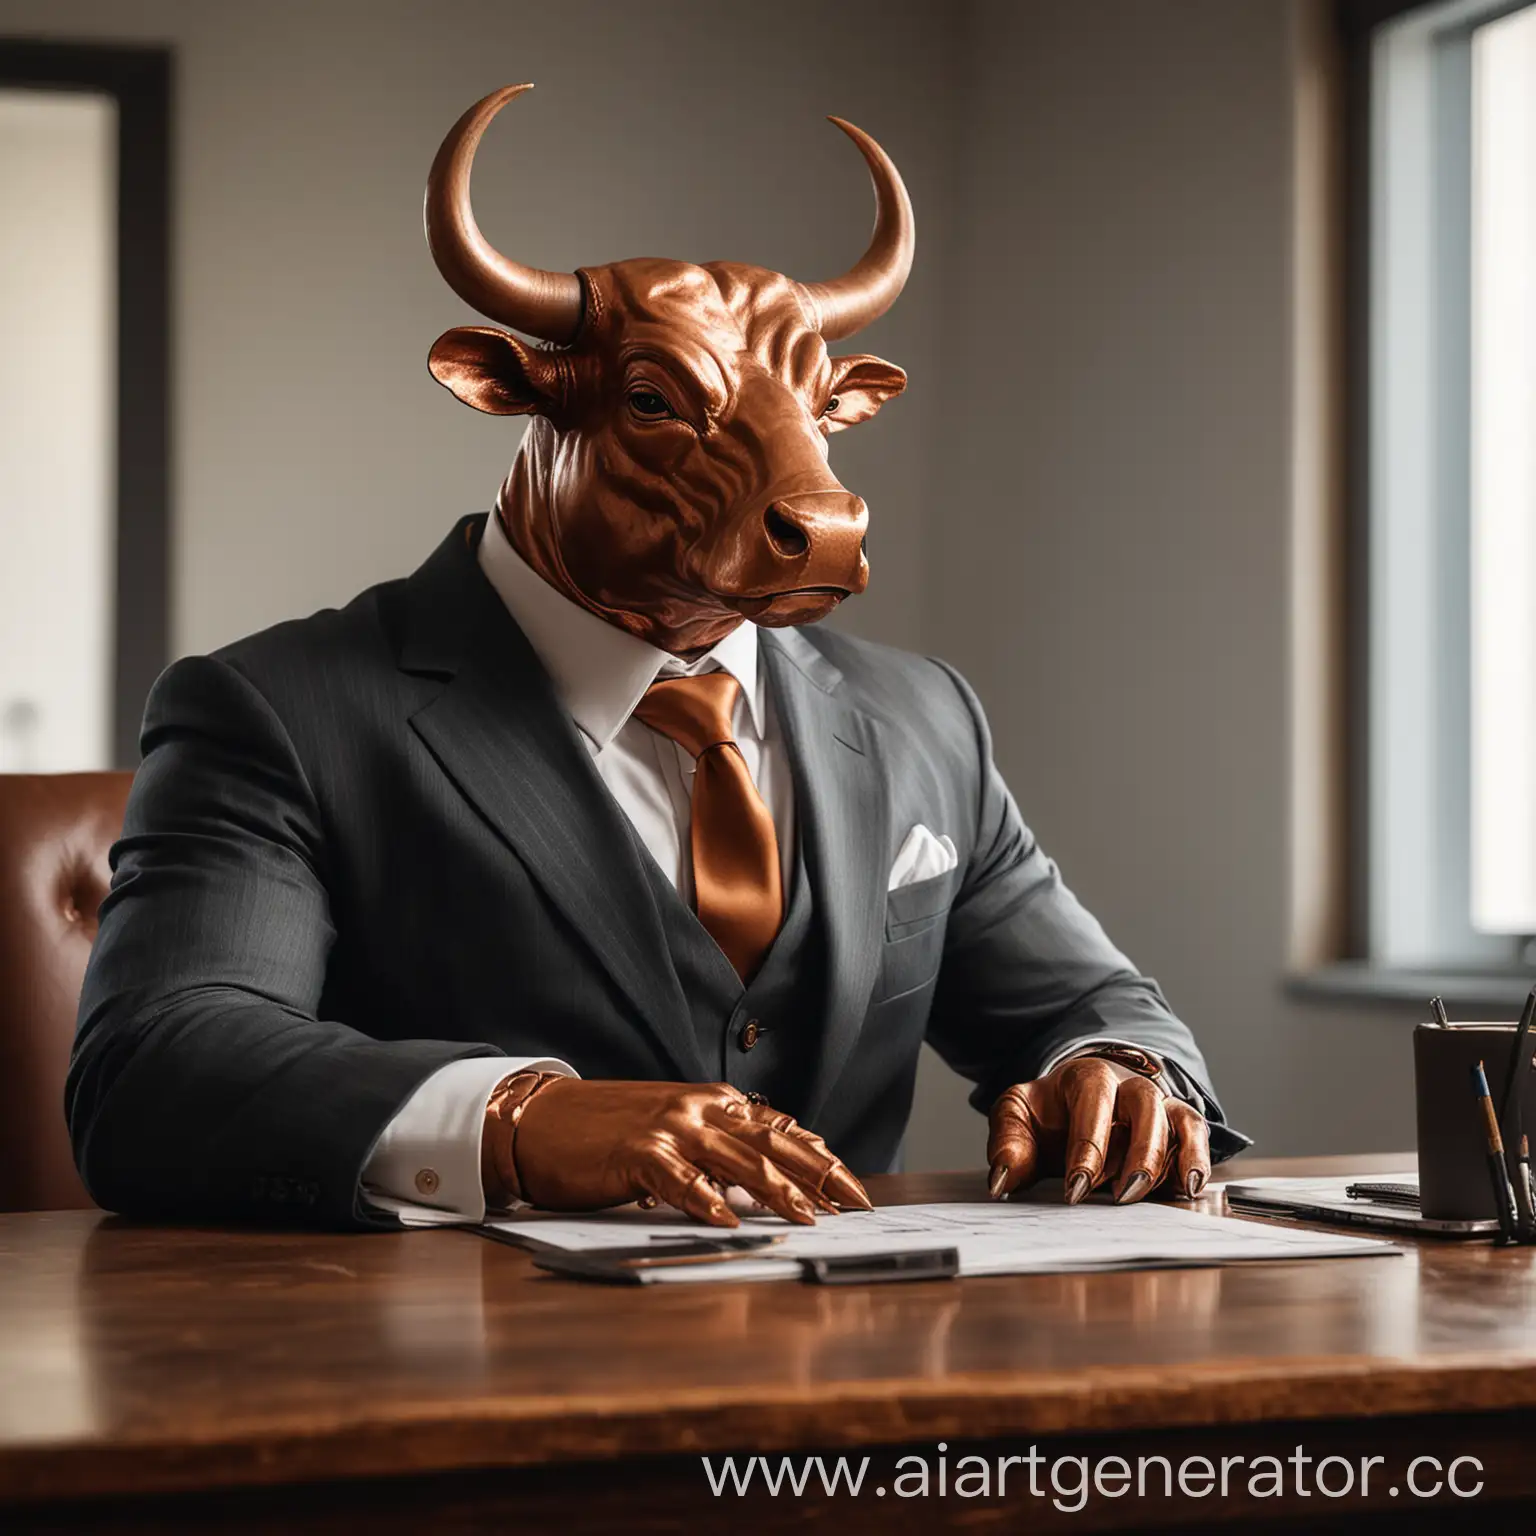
column 426, row 1165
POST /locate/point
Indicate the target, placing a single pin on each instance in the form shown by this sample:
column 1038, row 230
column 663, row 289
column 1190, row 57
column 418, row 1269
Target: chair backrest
column 55, row 833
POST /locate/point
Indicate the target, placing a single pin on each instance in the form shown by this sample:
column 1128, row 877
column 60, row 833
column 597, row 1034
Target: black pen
column 1525, row 1179
column 1498, row 1174
column 1520, row 1184
column 1519, row 1055
column 1511, row 1123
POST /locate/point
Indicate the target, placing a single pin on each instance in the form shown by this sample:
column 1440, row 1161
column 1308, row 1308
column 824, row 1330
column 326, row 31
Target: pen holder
column 1453, row 1152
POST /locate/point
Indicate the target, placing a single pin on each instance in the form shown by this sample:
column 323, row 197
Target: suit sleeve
column 1028, row 973
column 204, row 1083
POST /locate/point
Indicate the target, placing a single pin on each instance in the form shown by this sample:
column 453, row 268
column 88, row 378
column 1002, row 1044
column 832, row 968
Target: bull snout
column 816, row 539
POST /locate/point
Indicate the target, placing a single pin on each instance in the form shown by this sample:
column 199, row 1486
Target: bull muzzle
column 817, row 540
column 803, row 558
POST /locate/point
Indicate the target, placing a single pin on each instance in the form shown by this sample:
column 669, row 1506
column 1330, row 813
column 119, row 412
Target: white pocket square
column 922, row 857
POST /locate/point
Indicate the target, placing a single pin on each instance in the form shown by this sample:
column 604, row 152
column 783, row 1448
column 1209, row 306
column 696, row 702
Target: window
column 1450, row 570
column 1503, row 475
column 85, row 158
column 58, row 271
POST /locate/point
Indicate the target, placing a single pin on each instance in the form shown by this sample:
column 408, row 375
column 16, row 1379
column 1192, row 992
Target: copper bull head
column 674, row 478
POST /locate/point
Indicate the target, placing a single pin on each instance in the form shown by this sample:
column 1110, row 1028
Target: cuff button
column 427, row 1181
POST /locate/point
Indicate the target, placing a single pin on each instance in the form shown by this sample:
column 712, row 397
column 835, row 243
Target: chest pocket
column 914, row 934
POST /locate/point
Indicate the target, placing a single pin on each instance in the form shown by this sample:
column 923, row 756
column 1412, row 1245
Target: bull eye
column 832, row 405
column 649, row 404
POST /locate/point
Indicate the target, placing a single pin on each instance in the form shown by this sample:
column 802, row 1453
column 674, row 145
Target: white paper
column 991, row 1239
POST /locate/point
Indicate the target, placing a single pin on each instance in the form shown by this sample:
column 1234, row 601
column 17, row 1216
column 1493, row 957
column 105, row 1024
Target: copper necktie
column 736, row 886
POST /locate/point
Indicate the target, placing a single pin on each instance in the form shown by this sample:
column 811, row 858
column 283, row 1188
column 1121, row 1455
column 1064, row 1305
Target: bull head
column 674, row 479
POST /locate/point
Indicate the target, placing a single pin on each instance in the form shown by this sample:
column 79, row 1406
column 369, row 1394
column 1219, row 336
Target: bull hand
column 584, row 1145
column 1097, row 1122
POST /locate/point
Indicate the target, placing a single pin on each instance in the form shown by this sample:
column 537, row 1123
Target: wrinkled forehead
column 714, row 321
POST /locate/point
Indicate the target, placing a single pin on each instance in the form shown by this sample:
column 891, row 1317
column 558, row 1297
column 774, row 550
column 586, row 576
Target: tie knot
column 695, row 712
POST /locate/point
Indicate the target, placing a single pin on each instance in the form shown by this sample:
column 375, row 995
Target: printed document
column 1020, row 1238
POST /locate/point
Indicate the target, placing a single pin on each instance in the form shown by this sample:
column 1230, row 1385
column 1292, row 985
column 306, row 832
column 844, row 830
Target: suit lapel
column 500, row 734
column 841, row 804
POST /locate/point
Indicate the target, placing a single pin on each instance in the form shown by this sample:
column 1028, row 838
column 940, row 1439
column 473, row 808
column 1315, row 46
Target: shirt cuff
column 425, row 1168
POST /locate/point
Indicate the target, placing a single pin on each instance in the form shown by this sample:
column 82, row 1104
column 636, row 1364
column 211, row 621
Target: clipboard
column 1326, row 1201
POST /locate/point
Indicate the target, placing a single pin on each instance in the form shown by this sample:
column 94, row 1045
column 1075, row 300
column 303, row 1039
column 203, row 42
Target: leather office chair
column 55, row 833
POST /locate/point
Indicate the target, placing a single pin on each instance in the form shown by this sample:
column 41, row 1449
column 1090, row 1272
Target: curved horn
column 538, row 303
column 865, row 293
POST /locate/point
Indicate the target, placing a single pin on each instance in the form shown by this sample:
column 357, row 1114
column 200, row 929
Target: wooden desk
column 169, row 1380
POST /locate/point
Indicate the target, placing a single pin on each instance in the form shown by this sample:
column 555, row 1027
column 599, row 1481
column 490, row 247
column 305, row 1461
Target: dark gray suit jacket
column 370, row 842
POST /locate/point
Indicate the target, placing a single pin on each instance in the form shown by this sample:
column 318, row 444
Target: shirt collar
column 600, row 671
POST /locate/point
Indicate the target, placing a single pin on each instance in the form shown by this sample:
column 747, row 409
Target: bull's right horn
column 547, row 305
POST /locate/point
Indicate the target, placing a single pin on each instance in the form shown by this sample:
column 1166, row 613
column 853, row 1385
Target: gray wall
column 1082, row 500
column 1111, row 553
column 314, row 452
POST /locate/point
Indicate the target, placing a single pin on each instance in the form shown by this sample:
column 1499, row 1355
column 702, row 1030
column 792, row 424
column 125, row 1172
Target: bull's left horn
column 538, row 303
column 852, row 301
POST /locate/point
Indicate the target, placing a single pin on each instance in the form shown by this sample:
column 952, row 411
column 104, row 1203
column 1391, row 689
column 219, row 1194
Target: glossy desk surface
column 139, row 1358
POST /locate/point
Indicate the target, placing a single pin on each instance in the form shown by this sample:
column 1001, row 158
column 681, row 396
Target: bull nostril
column 785, row 537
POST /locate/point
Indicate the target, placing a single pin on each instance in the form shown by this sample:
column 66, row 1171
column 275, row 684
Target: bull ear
column 494, row 372
column 860, row 386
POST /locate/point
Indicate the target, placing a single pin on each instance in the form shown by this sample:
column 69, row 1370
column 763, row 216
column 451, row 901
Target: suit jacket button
column 749, row 1033
column 427, row 1181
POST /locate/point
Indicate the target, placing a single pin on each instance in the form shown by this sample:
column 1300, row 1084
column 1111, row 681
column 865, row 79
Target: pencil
column 1498, row 1174
column 1437, row 1008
